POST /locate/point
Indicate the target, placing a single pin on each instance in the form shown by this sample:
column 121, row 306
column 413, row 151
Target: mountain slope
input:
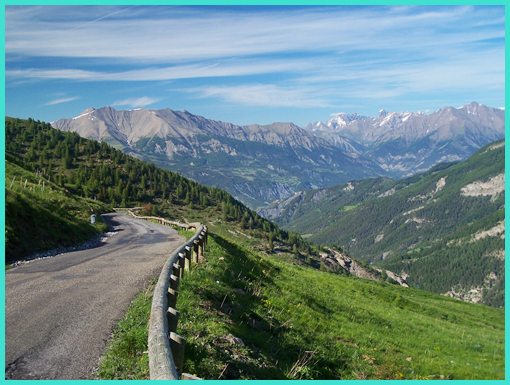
column 83, row 168
column 444, row 228
column 257, row 164
column 262, row 163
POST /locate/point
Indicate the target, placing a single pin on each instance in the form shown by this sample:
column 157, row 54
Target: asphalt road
column 60, row 311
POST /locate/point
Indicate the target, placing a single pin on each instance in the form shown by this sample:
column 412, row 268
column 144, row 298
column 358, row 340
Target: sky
column 252, row 64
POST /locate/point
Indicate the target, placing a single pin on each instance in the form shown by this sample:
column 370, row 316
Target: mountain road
column 60, row 311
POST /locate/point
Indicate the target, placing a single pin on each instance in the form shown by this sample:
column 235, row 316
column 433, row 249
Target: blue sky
column 252, row 64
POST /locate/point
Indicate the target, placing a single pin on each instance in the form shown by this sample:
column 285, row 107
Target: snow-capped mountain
column 404, row 143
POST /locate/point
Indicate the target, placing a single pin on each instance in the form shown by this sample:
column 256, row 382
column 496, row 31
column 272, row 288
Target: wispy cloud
column 136, row 102
column 188, row 71
column 263, row 95
column 167, row 36
column 61, row 100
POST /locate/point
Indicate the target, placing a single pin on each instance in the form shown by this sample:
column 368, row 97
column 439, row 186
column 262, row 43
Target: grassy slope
column 38, row 220
column 282, row 312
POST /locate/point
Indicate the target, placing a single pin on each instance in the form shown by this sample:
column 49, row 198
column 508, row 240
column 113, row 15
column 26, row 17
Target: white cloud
column 210, row 70
column 167, row 36
column 61, row 100
column 136, row 102
column 263, row 95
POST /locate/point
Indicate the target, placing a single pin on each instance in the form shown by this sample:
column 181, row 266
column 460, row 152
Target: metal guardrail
column 166, row 347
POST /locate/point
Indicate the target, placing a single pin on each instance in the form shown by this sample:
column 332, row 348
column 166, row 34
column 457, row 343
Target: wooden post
column 176, row 270
column 177, row 346
column 172, row 317
column 201, row 247
column 187, row 255
column 182, row 263
column 174, row 282
column 172, row 297
column 187, row 376
column 195, row 250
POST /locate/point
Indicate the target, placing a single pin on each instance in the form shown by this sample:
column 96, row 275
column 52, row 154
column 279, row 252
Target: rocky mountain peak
column 347, row 147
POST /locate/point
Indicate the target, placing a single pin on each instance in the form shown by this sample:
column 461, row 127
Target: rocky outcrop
column 335, row 260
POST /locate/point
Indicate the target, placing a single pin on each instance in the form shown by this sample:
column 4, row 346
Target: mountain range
column 443, row 229
column 410, row 142
column 262, row 163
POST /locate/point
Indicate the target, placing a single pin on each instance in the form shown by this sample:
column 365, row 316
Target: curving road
column 60, row 311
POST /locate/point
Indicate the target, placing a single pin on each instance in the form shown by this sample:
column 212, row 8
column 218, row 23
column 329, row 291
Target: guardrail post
column 174, row 282
column 172, row 297
column 182, row 263
column 176, row 270
column 201, row 247
column 172, row 316
column 177, row 345
column 187, row 255
column 195, row 250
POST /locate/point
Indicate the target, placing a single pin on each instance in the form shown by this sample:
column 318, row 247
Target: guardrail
column 166, row 347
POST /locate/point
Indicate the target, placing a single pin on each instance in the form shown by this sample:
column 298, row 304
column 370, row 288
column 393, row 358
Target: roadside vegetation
column 247, row 314
column 41, row 215
column 126, row 357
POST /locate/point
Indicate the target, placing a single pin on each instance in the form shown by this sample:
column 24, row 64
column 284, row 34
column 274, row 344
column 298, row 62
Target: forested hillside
column 96, row 171
column 445, row 228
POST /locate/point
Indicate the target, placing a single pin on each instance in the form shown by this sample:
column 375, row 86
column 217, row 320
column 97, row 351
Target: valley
column 443, row 229
column 326, row 177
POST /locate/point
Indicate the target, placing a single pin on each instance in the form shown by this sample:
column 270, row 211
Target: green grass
column 126, row 356
column 349, row 207
column 41, row 218
column 356, row 329
column 300, row 323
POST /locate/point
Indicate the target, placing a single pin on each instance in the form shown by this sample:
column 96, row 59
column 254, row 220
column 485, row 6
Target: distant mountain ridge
column 262, row 163
column 404, row 143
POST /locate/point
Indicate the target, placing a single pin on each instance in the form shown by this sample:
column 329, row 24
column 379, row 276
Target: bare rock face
column 474, row 294
column 335, row 259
